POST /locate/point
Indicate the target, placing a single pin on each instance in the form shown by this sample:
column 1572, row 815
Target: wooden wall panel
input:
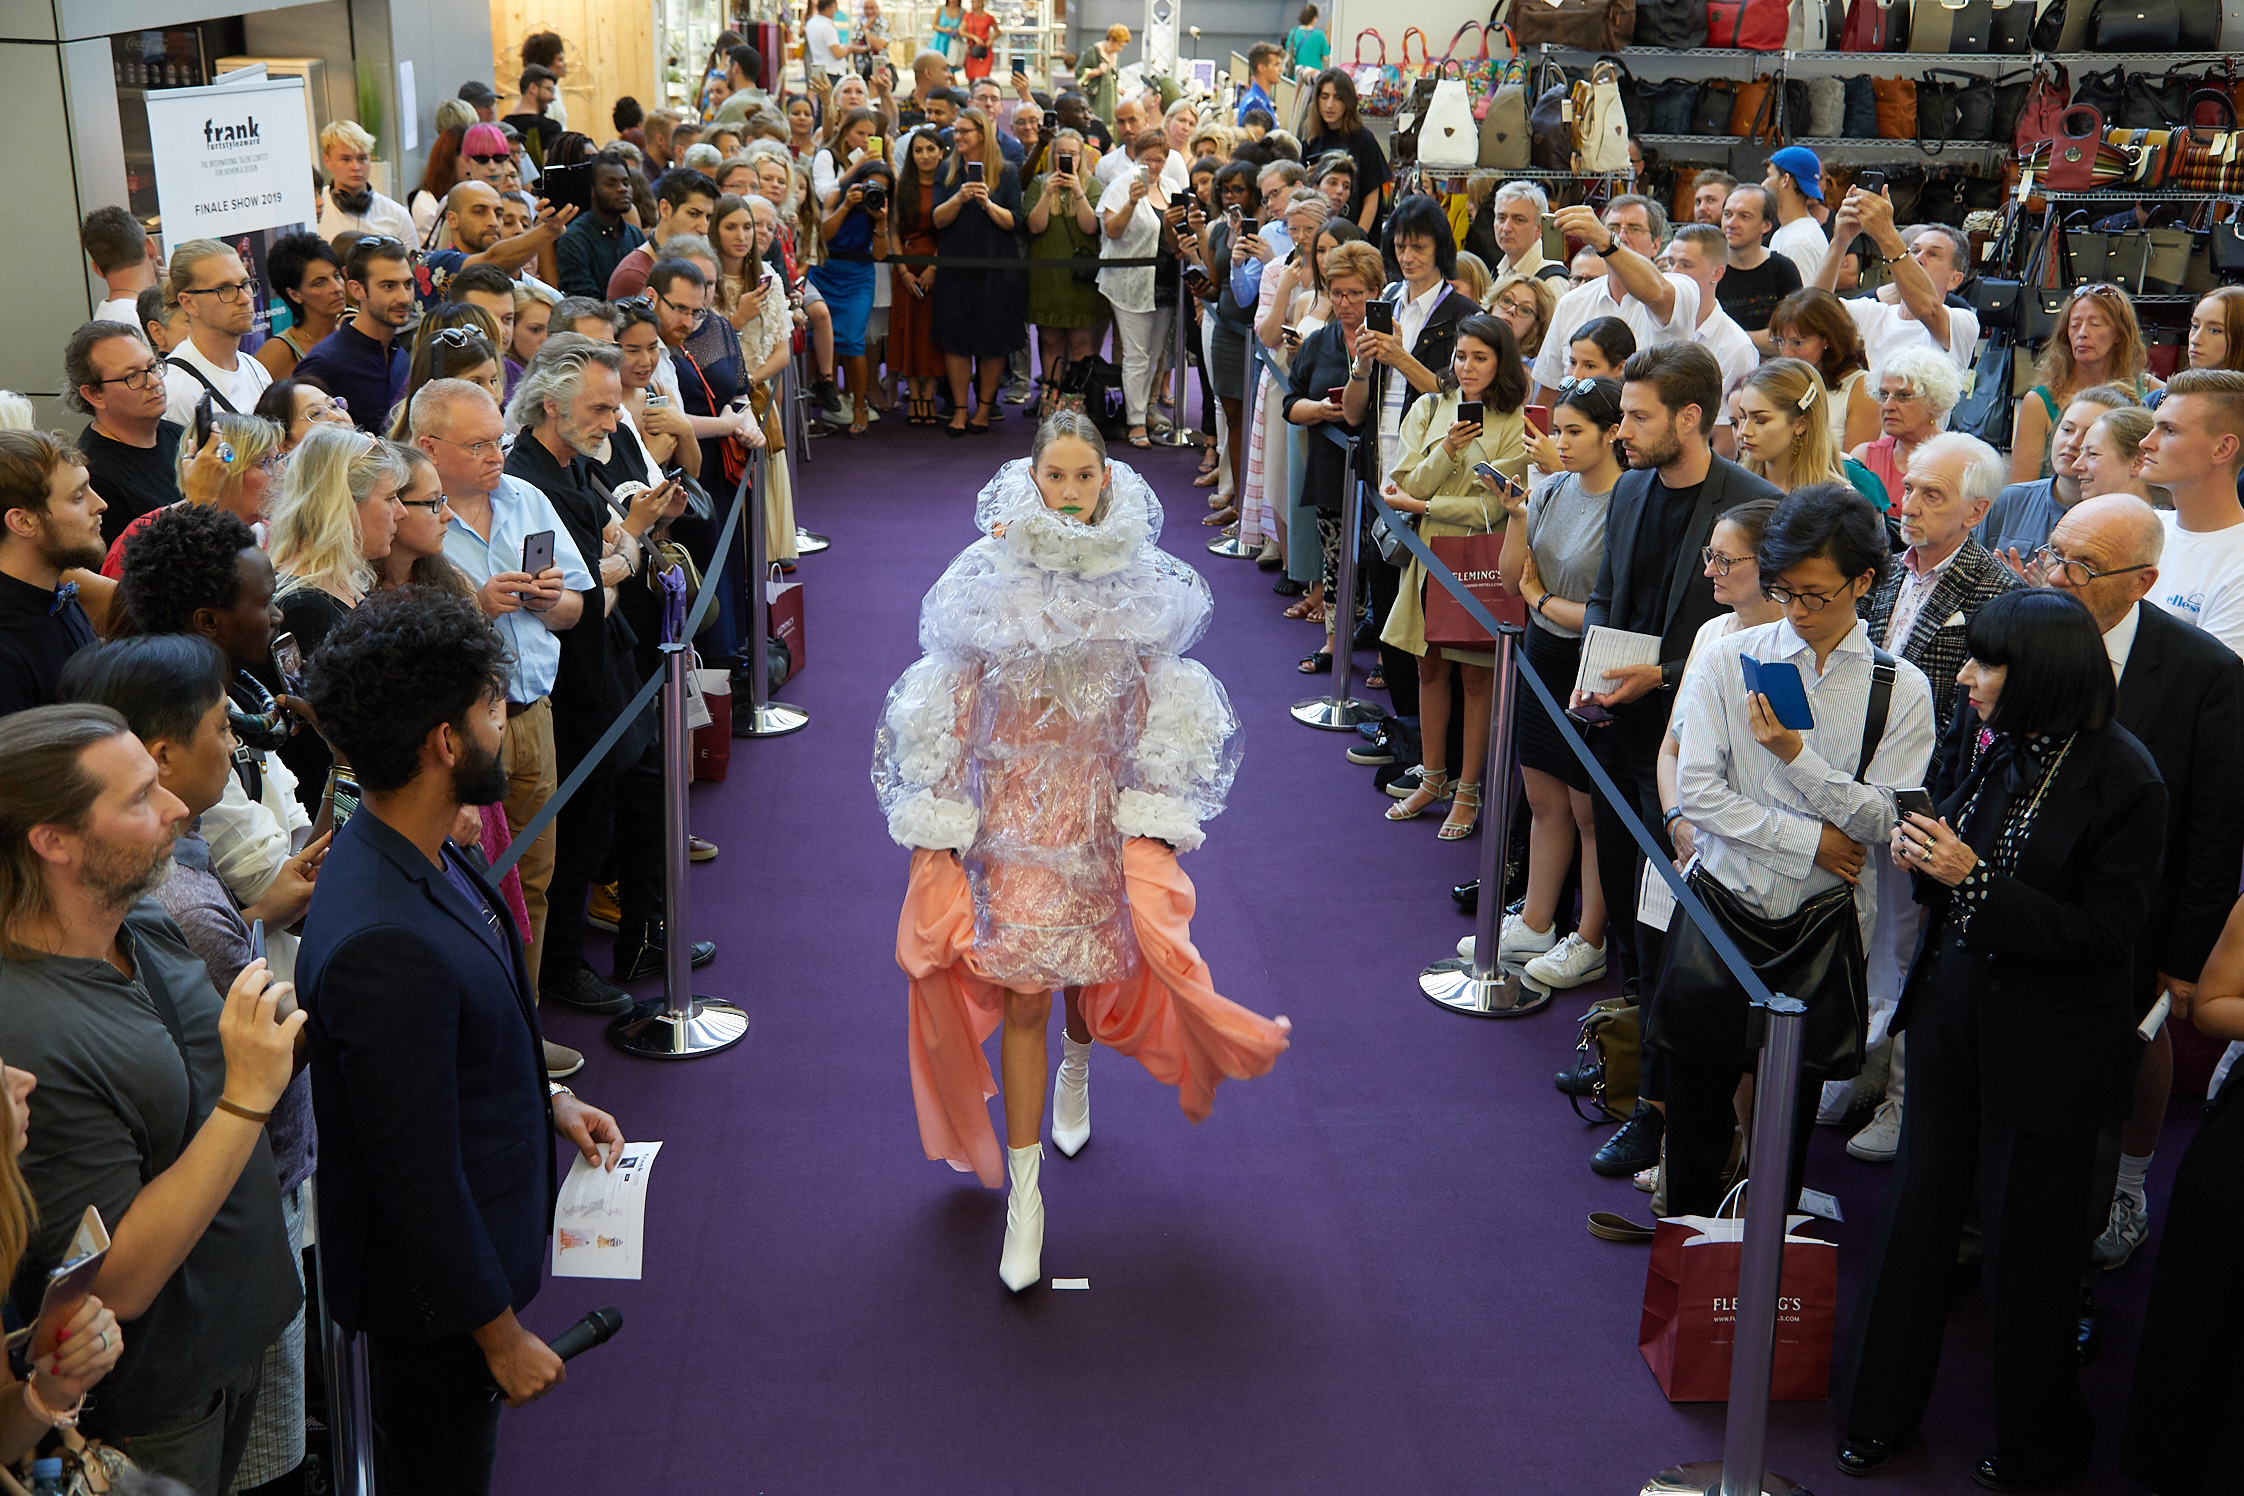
column 611, row 52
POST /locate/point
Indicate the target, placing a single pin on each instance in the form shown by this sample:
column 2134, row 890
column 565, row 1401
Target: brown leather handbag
column 1592, row 25
column 1749, row 105
column 1897, row 107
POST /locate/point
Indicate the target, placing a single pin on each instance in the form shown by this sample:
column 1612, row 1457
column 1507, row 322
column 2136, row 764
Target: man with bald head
column 471, row 210
column 2181, row 692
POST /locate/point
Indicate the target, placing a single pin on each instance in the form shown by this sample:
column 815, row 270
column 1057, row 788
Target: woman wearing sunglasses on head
column 2097, row 341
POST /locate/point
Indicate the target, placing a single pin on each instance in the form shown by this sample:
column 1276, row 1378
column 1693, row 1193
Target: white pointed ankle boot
column 1071, row 1098
column 1023, row 1262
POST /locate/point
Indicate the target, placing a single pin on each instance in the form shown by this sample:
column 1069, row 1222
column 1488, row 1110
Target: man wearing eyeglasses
column 1921, row 613
column 1913, row 307
column 132, row 452
column 353, row 206
column 1658, row 307
column 363, row 360
column 214, row 293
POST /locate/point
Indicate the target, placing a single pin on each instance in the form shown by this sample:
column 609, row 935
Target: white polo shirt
column 1721, row 336
column 1887, row 327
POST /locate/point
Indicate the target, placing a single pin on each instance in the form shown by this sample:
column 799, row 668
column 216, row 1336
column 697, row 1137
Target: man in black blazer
column 1653, row 581
column 436, row 1182
column 2181, row 692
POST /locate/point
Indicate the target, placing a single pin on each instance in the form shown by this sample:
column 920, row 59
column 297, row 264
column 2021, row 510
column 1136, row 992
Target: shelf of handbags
column 1934, row 152
column 1904, row 60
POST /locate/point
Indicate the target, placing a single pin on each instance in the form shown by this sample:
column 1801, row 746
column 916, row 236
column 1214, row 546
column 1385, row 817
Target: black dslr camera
column 875, row 195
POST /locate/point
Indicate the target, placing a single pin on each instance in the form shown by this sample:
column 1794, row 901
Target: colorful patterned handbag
column 1379, row 86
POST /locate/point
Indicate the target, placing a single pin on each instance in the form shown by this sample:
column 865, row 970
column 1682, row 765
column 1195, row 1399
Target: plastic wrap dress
column 1053, row 737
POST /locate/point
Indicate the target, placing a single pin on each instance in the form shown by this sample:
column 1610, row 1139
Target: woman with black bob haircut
column 2020, row 1011
column 1420, row 216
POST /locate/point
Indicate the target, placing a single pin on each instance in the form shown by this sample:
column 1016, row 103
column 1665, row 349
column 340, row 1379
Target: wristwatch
column 1546, row 597
column 1668, row 821
column 554, row 1088
column 1611, row 249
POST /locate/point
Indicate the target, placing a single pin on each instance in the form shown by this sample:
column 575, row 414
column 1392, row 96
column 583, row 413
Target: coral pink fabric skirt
column 1166, row 1014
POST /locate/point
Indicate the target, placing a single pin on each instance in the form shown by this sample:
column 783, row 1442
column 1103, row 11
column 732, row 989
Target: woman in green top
column 1307, row 48
column 2097, row 341
column 1095, row 70
column 1067, row 311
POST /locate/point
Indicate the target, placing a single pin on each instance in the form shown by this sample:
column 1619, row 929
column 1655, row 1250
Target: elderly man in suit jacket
column 2181, row 691
column 1651, row 581
column 436, row 1183
column 1921, row 614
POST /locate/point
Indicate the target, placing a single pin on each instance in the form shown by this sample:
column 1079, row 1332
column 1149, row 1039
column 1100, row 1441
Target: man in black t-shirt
column 1756, row 280
column 132, row 452
column 50, row 522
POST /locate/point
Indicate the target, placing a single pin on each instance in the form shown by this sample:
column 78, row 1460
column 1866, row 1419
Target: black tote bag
column 2135, row 26
column 1679, row 25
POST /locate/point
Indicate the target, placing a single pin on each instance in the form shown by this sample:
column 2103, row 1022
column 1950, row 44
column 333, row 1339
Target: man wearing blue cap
column 1795, row 179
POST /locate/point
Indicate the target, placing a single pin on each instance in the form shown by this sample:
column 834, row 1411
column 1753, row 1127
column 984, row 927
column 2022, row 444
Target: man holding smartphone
column 459, row 426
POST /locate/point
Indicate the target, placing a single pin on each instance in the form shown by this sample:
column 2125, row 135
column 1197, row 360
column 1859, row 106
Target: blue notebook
column 1780, row 682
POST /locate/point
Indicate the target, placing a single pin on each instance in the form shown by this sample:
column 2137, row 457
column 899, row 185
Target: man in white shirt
column 822, row 48
column 1780, row 814
column 1659, row 308
column 1913, row 307
column 1129, row 119
column 213, row 292
column 1795, row 177
column 347, row 152
column 1516, row 219
column 1699, row 251
column 2194, row 450
column 124, row 256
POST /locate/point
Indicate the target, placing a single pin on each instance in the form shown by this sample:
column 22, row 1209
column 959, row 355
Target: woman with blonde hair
column 2111, row 453
column 2097, row 341
column 1784, row 435
column 1916, row 388
column 333, row 519
column 237, row 477
column 1473, row 281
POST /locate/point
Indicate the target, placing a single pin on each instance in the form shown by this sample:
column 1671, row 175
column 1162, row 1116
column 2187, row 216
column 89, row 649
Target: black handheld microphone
column 594, row 1329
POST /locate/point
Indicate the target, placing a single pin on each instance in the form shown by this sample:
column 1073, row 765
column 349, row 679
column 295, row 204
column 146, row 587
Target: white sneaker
column 2130, row 1223
column 1881, row 1140
column 1518, row 944
column 1465, row 947
column 1570, row 963
column 1022, row 1262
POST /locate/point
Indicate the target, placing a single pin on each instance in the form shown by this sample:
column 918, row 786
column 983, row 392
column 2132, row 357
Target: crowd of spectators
column 273, row 701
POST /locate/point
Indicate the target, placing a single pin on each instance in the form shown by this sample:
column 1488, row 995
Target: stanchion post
column 1776, row 1085
column 1180, row 435
column 1479, row 987
column 687, row 1026
column 1340, row 712
column 350, row 1414
column 766, row 718
column 1232, row 545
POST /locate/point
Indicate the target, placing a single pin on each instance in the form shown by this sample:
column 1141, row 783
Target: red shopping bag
column 1473, row 558
column 1690, row 1311
column 712, row 741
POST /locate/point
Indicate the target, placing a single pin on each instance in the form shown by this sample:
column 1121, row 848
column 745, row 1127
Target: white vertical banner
column 408, row 108
column 231, row 158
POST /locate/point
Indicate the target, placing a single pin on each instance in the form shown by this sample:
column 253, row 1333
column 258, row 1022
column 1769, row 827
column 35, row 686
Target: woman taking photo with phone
column 856, row 221
column 1552, row 547
column 911, row 314
column 1439, row 475
column 979, row 317
column 1311, row 309
column 1130, row 214
column 1321, row 391
column 1064, row 304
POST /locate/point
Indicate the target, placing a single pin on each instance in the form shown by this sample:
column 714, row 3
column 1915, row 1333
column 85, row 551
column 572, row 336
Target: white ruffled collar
column 1013, row 513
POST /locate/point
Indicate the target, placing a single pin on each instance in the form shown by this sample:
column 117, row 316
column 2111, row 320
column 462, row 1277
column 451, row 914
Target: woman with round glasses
column 1526, row 303
column 1916, row 388
column 297, row 405
column 2020, row 1011
column 2097, row 341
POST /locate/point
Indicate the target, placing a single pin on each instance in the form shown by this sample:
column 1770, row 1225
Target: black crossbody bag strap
column 201, row 379
column 1881, row 702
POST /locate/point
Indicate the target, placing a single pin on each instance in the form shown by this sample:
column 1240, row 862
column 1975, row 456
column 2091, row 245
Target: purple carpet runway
column 1367, row 1272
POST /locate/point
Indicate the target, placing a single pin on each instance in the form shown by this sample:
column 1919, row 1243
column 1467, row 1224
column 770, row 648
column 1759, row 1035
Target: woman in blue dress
column 981, row 316
column 856, row 225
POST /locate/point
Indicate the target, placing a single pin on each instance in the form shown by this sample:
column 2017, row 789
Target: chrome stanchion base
column 706, row 1027
column 774, row 719
column 1230, row 545
column 810, row 542
column 1342, row 716
column 1704, row 1478
column 1451, row 984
